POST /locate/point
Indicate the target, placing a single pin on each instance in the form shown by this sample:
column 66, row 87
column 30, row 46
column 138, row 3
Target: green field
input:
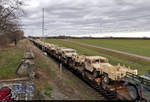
column 140, row 47
column 134, row 63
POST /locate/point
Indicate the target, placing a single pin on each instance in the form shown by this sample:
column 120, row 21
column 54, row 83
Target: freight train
column 98, row 70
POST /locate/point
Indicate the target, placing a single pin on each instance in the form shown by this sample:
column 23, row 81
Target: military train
column 99, row 70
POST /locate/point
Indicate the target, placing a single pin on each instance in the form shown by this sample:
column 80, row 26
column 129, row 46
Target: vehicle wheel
column 133, row 92
column 95, row 73
column 106, row 79
column 83, row 71
column 75, row 66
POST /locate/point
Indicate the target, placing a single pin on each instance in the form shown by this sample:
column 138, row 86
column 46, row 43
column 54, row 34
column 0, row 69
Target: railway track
column 107, row 94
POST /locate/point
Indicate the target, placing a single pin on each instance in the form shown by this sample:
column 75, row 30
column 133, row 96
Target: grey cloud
column 87, row 16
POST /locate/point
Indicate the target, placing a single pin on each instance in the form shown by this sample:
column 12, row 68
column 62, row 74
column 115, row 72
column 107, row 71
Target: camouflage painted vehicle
column 53, row 49
column 67, row 54
column 138, row 86
column 98, row 65
column 78, row 62
column 58, row 52
column 39, row 43
column 47, row 45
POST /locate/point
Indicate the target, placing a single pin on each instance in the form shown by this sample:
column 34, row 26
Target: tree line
column 10, row 28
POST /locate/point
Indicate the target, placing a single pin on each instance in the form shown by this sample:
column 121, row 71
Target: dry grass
column 10, row 58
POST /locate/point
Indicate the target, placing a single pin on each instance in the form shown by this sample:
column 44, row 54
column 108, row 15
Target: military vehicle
column 67, row 54
column 138, row 86
column 39, row 43
column 77, row 62
column 47, row 45
column 53, row 49
column 59, row 52
column 98, row 65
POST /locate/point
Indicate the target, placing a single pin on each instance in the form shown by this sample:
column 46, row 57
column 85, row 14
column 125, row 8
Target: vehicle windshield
column 99, row 60
column 70, row 51
column 103, row 60
column 96, row 61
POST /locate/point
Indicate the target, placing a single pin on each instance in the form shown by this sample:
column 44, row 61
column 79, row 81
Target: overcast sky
column 87, row 17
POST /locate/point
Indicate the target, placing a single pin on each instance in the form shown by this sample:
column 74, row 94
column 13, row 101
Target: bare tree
column 10, row 11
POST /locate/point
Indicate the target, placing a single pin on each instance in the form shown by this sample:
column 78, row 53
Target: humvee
column 48, row 47
column 53, row 49
column 138, row 86
column 59, row 52
column 79, row 59
column 98, row 65
column 78, row 62
column 67, row 54
column 39, row 43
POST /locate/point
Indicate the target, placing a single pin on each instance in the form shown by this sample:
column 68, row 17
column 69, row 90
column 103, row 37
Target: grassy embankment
column 43, row 69
column 134, row 63
column 10, row 58
column 43, row 88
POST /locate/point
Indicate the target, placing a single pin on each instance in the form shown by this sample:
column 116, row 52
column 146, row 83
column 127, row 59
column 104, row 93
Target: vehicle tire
column 132, row 91
column 106, row 79
column 95, row 73
column 75, row 65
column 83, row 70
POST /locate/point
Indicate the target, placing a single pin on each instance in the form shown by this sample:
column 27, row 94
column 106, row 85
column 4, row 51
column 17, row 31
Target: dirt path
column 111, row 50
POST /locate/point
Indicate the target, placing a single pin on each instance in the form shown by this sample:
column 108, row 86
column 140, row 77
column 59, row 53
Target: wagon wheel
column 83, row 70
column 133, row 92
